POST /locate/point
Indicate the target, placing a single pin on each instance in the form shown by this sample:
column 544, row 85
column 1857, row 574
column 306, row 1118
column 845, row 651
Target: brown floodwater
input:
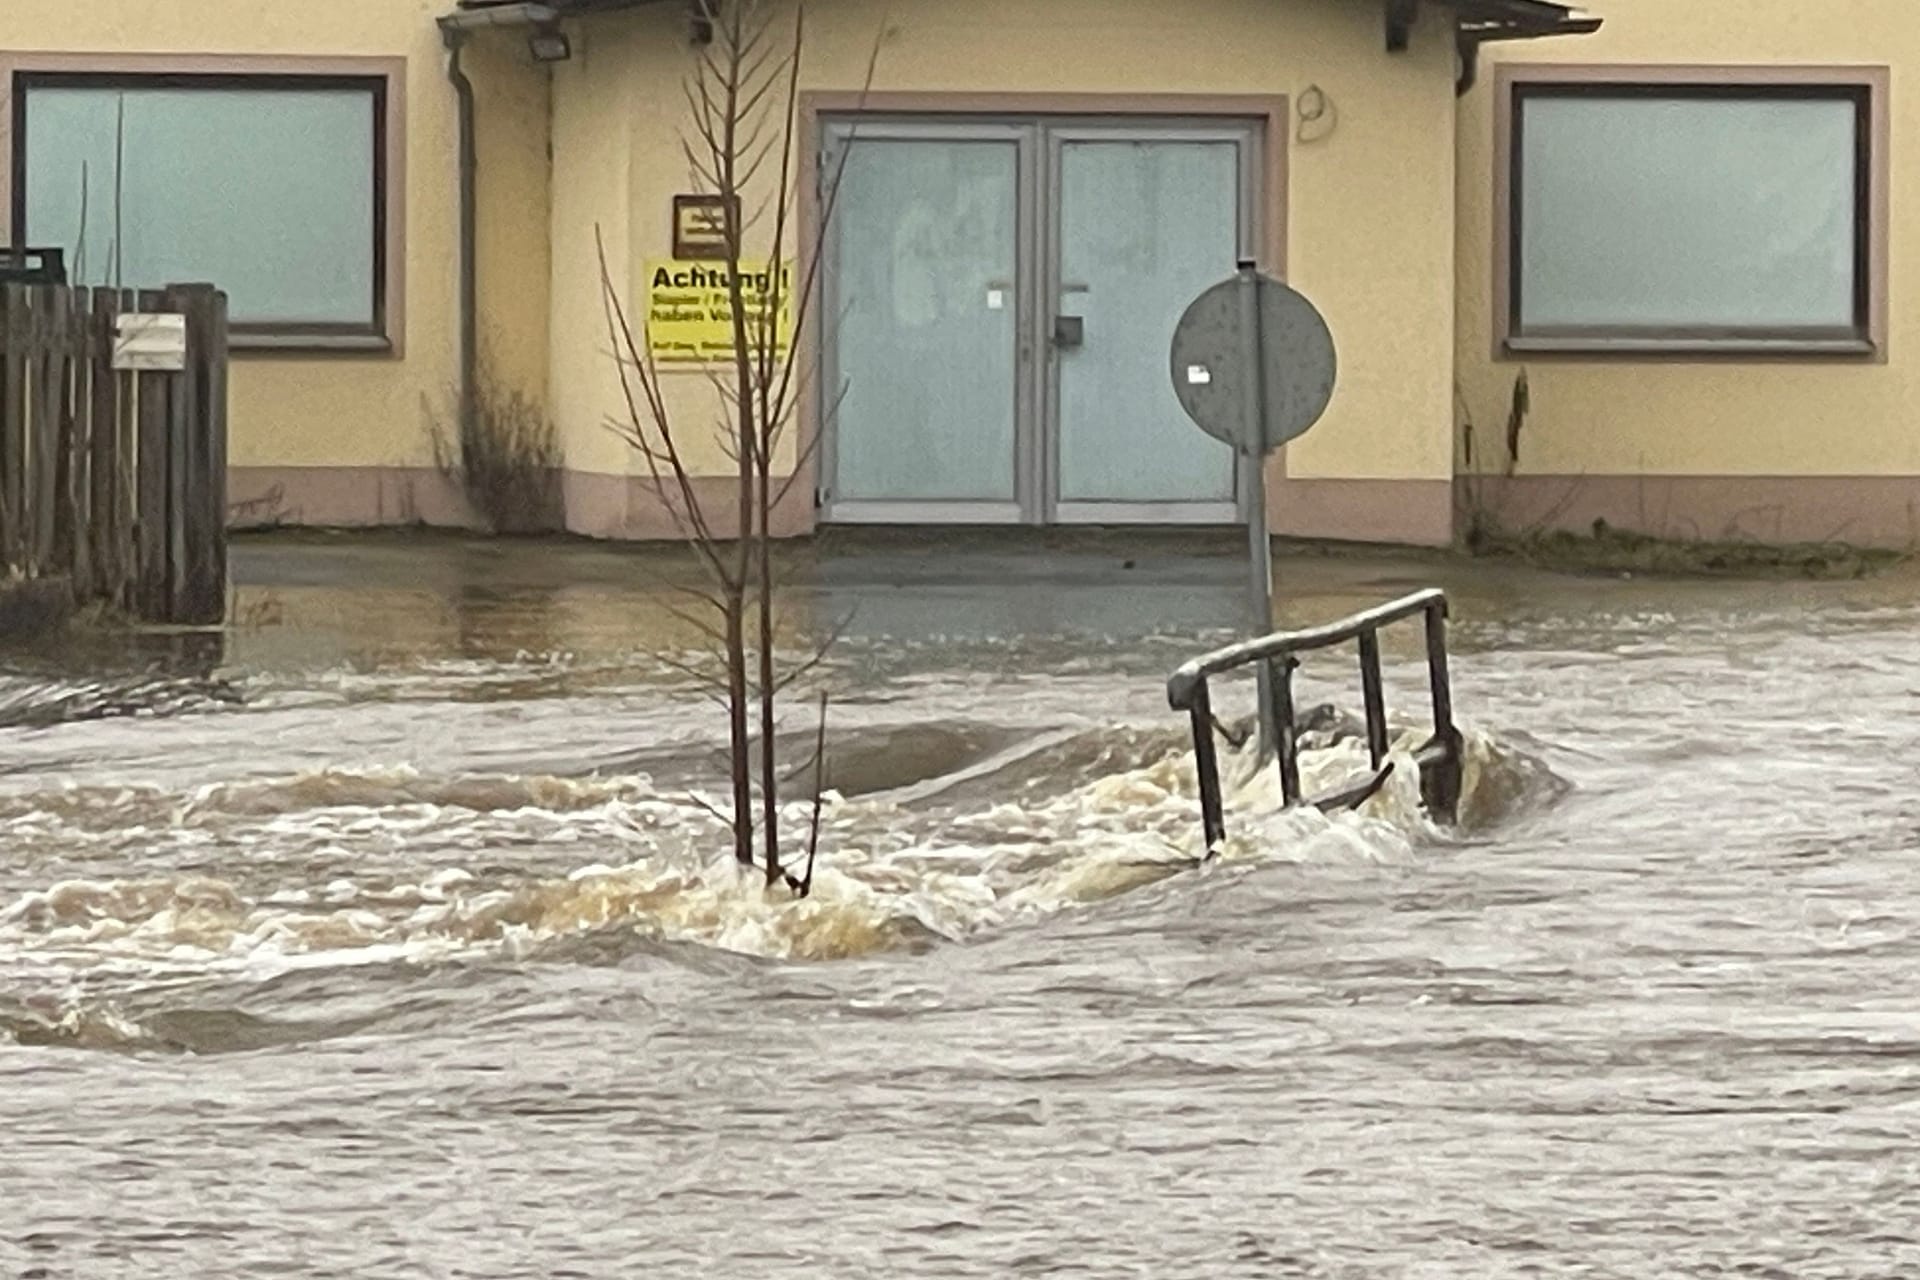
column 389, row 934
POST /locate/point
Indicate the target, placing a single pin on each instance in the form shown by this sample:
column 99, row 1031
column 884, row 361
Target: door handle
column 1069, row 332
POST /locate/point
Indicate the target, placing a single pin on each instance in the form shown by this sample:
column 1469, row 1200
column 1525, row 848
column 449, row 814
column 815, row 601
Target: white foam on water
column 887, row 878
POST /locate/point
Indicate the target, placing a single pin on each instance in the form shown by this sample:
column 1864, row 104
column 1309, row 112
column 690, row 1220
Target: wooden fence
column 113, row 456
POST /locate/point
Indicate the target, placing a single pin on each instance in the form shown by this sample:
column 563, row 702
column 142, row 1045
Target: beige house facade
column 1682, row 225
column 1746, row 368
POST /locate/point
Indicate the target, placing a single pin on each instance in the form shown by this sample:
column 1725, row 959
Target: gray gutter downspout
column 455, row 29
column 455, row 37
column 1469, row 47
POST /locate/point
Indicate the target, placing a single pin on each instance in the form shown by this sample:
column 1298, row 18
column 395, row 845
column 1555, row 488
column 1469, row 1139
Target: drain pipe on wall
column 456, row 38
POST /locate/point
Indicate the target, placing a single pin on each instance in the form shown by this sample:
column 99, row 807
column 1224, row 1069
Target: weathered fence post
column 180, row 467
column 13, row 426
column 44, row 435
column 105, row 526
column 70, row 549
column 126, row 445
column 153, row 452
column 196, row 502
column 207, row 352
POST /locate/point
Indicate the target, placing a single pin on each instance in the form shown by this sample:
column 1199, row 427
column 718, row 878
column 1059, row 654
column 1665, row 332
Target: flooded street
column 390, row 938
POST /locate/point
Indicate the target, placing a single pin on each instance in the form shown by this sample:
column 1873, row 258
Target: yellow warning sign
column 690, row 309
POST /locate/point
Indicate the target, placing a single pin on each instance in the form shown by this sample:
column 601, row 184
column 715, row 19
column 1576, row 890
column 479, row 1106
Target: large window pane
column 268, row 193
column 1705, row 212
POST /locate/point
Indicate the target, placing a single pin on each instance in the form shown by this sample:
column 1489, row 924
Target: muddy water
column 390, row 938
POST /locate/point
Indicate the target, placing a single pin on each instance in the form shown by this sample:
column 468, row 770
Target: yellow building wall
column 1635, row 441
column 594, row 122
column 1370, row 234
column 512, row 128
column 346, row 438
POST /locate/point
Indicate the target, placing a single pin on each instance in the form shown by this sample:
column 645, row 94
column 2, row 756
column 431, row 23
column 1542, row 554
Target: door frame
column 1271, row 115
column 1056, row 136
column 836, row 132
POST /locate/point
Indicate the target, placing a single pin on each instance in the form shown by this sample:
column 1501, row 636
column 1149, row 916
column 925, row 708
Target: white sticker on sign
column 1199, row 375
column 996, row 300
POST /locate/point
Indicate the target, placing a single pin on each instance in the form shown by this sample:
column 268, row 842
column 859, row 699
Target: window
column 1693, row 216
column 272, row 187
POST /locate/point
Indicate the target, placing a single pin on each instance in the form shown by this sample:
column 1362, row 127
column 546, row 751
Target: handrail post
column 1443, row 788
column 1286, row 745
column 1375, row 698
column 1206, row 766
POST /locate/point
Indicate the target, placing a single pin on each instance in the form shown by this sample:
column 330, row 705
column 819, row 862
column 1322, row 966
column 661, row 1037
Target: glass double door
column 998, row 302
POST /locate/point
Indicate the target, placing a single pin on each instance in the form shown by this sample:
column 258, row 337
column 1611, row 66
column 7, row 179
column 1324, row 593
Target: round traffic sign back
column 1254, row 371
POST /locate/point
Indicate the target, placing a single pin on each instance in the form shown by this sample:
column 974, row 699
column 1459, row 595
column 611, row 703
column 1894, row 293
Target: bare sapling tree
column 741, row 144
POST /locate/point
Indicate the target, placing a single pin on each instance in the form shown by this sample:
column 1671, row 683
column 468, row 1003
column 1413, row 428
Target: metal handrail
column 1440, row 758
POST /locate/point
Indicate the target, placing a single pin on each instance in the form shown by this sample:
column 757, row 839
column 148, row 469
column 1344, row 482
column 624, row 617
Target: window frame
column 383, row 78
column 1866, row 87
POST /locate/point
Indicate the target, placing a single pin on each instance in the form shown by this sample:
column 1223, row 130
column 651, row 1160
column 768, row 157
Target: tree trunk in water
column 746, row 436
column 740, row 749
column 769, row 776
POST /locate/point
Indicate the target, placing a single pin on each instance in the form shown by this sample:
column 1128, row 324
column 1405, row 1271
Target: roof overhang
column 542, row 17
column 475, row 17
column 1482, row 22
column 475, row 14
column 1476, row 22
column 1488, row 20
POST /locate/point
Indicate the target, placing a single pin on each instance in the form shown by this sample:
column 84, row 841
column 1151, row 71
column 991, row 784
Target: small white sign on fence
column 150, row 343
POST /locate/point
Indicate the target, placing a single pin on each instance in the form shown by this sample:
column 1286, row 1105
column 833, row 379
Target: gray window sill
column 1776, row 348
column 364, row 344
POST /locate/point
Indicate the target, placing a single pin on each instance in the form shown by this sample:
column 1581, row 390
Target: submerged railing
column 1440, row 758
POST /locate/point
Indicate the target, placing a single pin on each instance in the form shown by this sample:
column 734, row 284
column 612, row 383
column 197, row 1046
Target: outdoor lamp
column 549, row 43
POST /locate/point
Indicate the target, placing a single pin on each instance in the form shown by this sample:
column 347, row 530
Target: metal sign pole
column 1253, row 458
column 1253, row 365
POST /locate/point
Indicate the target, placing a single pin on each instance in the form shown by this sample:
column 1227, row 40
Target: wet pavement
column 383, row 935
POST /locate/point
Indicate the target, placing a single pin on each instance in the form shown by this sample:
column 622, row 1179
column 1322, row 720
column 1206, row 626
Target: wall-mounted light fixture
column 700, row 22
column 549, row 43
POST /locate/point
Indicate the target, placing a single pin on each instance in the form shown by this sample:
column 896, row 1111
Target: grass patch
column 503, row 452
column 1607, row 550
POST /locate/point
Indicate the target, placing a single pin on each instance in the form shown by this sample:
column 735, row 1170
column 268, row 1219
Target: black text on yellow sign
column 690, row 310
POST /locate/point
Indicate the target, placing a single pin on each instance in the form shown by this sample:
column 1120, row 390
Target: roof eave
column 472, row 15
column 1482, row 22
column 1489, row 20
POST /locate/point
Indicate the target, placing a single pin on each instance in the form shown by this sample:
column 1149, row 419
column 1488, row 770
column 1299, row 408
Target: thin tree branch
column 804, row 886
